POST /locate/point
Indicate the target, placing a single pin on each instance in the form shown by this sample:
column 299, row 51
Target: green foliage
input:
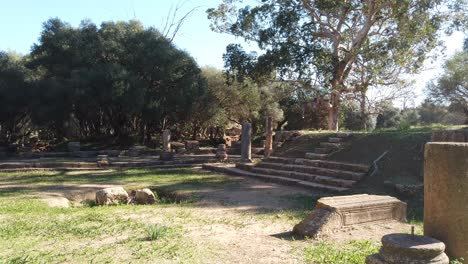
column 354, row 252
column 156, row 232
column 388, row 117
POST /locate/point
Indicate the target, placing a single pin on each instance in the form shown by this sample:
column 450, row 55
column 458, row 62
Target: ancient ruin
column 409, row 248
column 334, row 213
column 268, row 136
column 446, row 196
column 246, row 142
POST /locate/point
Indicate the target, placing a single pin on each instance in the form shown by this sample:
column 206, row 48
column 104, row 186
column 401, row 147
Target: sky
column 21, row 23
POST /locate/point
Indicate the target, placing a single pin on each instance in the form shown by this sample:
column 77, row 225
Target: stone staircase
column 326, row 148
column 306, row 172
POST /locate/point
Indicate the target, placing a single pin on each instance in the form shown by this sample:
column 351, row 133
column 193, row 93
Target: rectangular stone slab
column 333, row 213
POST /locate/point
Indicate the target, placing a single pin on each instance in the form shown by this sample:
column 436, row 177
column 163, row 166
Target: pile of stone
column 118, row 195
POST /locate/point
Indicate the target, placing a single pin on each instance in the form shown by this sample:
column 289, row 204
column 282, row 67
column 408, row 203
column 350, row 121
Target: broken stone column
column 102, row 161
column 337, row 212
column 408, row 248
column 221, row 154
column 166, row 140
column 166, row 154
column 246, row 142
column 446, row 195
column 268, row 137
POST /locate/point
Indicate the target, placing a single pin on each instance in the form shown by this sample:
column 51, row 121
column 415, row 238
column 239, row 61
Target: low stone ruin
column 73, row 146
column 408, row 248
column 111, row 196
column 102, row 161
column 221, row 154
column 135, row 151
column 192, row 145
column 334, row 213
column 118, row 195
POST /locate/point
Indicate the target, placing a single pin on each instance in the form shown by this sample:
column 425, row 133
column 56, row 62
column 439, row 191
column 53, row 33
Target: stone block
column 332, row 213
column 446, row 196
column 73, row 146
column 192, row 145
column 135, row 151
column 111, row 196
column 407, row 248
column 166, row 156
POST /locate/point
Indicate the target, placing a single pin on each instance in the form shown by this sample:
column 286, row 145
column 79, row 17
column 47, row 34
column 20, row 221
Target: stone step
column 316, row 156
column 334, row 165
column 326, row 180
column 323, row 150
column 329, row 145
column 275, row 179
column 344, row 134
column 335, row 140
column 342, row 174
column 321, row 163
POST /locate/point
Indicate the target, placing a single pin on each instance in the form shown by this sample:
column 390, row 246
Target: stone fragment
column 135, row 151
column 221, row 154
column 246, row 142
column 73, row 146
column 143, row 196
column 333, row 213
column 111, row 196
column 102, row 161
column 192, row 145
column 407, row 248
column 446, row 195
column 166, row 156
column 166, row 140
column 268, row 137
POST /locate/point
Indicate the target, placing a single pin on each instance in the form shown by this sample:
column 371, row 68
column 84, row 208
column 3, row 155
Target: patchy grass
column 353, row 252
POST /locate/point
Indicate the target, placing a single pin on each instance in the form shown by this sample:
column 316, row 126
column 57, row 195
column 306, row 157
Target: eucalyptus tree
column 321, row 40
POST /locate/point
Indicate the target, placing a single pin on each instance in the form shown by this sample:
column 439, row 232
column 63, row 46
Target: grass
column 353, row 252
column 156, row 231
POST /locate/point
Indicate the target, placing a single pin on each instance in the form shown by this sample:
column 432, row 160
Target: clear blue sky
column 21, row 23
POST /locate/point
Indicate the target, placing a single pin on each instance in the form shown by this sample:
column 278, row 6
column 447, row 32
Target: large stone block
column 111, row 196
column 446, row 196
column 332, row 213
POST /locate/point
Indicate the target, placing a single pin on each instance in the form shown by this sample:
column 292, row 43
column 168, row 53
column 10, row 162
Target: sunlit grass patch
column 353, row 252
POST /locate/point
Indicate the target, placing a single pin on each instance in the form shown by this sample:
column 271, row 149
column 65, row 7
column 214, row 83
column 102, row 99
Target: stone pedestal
column 166, row 140
column 407, row 248
column 268, row 137
column 221, row 153
column 73, row 146
column 446, row 196
column 246, row 142
column 102, row 161
column 166, row 156
column 332, row 213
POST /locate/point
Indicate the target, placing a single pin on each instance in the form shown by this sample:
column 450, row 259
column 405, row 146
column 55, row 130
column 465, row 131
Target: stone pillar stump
column 246, row 142
column 166, row 140
column 268, row 137
column 446, row 195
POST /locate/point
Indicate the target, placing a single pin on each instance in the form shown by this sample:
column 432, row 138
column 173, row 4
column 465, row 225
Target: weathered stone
column 178, row 147
column 407, row 248
column 111, row 196
column 110, row 152
column 143, row 196
column 332, row 213
column 446, row 196
column 246, row 142
column 221, row 153
column 73, row 146
column 135, row 151
column 166, row 156
column 450, row 136
column 166, row 140
column 102, row 161
column 228, row 141
column 268, row 137
column 192, row 145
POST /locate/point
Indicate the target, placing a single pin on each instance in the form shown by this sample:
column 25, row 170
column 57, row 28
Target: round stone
column 422, row 247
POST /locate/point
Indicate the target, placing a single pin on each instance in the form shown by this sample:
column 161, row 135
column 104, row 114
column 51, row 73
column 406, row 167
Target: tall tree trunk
column 363, row 111
column 334, row 111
